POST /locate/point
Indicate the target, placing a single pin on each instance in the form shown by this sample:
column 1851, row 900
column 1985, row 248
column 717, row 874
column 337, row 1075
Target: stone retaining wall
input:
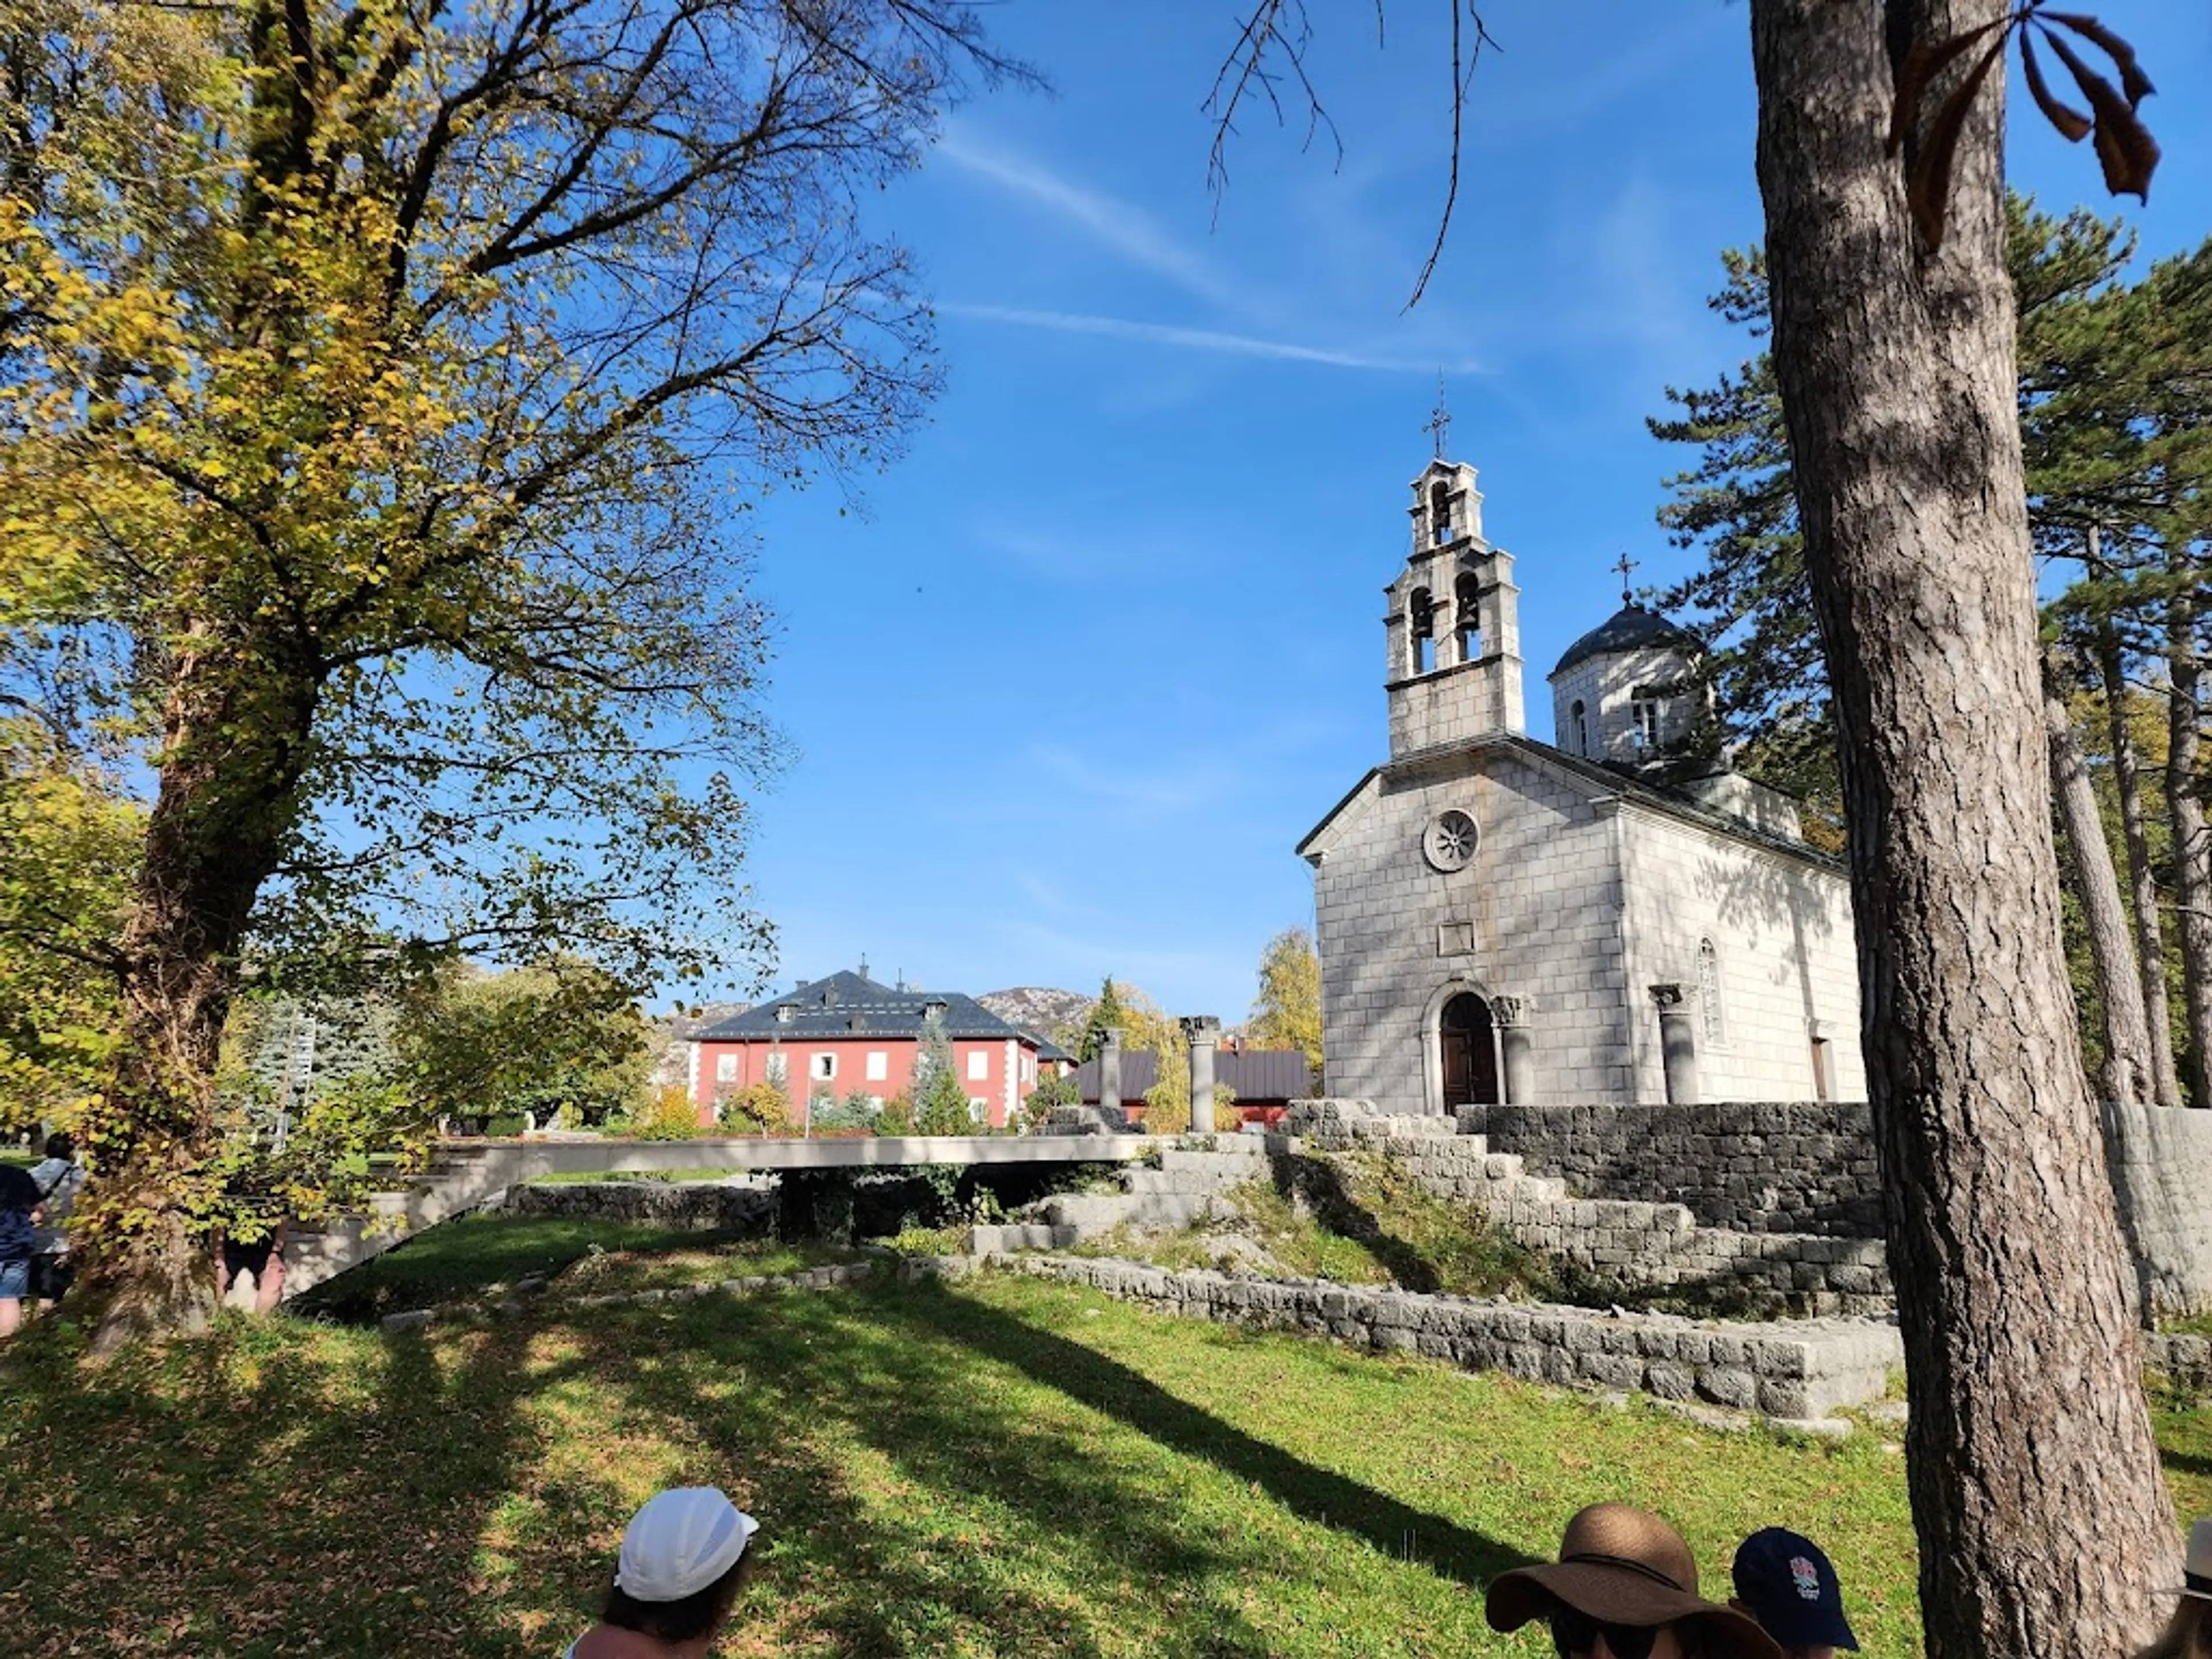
column 1792, row 1370
column 1803, row 1167
column 1632, row 1244
column 1751, row 1168
column 2184, row 1361
column 727, row 1206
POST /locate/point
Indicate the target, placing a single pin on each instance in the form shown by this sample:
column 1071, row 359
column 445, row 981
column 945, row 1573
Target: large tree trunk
column 2143, row 878
column 2192, row 846
column 236, row 727
column 2034, row 1480
column 2127, row 1070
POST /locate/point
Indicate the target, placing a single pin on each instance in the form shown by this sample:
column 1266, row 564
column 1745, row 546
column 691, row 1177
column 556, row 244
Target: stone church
column 1615, row 917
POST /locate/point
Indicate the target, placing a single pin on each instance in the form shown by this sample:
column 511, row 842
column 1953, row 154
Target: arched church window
column 1578, row 728
column 1421, row 631
column 1643, row 714
column 1440, row 526
column 1467, row 613
column 1711, row 1020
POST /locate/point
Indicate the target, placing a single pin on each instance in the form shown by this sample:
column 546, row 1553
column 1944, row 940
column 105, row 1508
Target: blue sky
column 1089, row 660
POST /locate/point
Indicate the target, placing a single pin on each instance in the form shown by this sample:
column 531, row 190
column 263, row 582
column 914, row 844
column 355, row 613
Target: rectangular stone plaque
column 1454, row 938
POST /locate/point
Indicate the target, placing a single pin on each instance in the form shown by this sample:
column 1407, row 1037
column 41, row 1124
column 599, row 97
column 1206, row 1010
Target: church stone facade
column 1607, row 919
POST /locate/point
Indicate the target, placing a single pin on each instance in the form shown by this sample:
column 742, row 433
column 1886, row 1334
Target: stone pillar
column 1518, row 1066
column 1203, row 1033
column 1678, row 1044
column 1109, row 1074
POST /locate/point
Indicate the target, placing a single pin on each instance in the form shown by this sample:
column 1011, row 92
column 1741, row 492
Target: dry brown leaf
column 2133, row 81
column 1928, row 191
column 2124, row 146
column 1921, row 66
column 2071, row 123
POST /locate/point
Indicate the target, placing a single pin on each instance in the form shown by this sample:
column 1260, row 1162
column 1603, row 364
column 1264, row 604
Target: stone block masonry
column 1635, row 1244
column 1750, row 1168
column 2161, row 1167
column 1792, row 1370
column 1810, row 1167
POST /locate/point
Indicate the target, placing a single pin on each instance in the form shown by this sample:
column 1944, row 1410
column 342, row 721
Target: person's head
column 2188, row 1634
column 684, row 1559
column 1625, row 1587
column 61, row 1146
column 1784, row 1580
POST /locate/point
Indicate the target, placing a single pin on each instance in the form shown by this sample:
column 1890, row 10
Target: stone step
column 1192, row 1181
column 1231, row 1166
column 1093, row 1215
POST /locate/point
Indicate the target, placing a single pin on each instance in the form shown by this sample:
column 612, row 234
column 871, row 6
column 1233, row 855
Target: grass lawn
column 585, row 1254
column 1003, row 1468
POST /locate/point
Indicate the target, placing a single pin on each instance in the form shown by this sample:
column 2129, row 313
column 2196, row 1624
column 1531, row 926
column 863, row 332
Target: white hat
column 2197, row 1576
column 680, row 1542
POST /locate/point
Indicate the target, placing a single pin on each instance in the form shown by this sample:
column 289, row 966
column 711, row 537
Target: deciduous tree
column 375, row 380
column 1287, row 1012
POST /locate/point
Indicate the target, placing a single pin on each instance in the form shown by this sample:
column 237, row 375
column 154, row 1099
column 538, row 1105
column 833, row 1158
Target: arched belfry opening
column 1469, row 1044
column 1452, row 627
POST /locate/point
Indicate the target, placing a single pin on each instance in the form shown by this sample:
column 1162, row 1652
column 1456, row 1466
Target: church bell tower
column 1453, row 630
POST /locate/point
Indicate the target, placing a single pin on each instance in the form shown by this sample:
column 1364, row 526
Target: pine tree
column 1106, row 1015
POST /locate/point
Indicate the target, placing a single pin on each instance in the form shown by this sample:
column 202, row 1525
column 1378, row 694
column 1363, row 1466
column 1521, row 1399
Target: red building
column 846, row 1032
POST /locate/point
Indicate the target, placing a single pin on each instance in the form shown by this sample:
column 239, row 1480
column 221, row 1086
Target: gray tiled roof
column 847, row 1005
column 1257, row 1075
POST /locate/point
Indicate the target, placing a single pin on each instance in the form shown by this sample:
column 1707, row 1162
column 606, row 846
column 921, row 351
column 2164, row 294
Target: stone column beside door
column 1202, row 1032
column 1677, row 1043
column 1516, row 1063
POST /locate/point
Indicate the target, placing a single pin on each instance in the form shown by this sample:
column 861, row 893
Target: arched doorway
column 1470, row 1053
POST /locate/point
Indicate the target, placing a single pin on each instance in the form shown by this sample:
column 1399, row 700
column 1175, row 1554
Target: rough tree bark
column 2192, row 845
column 2143, row 878
column 2126, row 1074
column 2034, row 1480
column 233, row 747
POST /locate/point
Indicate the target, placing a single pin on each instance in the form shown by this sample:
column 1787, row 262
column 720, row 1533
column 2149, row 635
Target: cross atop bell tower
column 1453, row 628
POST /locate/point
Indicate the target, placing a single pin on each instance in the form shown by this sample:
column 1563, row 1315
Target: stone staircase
column 1640, row 1245
column 1179, row 1186
column 458, row 1179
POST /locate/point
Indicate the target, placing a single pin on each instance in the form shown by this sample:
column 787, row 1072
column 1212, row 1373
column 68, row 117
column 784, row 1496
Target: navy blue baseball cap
column 1790, row 1588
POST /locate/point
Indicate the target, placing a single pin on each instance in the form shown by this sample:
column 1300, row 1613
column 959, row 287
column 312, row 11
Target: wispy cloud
column 1126, row 228
column 1163, row 790
column 1203, row 339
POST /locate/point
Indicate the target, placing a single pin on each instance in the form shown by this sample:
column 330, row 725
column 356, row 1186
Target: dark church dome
column 1631, row 628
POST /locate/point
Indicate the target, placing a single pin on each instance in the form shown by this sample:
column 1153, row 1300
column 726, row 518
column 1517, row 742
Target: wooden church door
column 1470, row 1055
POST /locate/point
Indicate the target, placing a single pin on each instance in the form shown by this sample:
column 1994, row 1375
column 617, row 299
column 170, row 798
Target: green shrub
column 669, row 1116
column 760, row 1108
column 897, row 1116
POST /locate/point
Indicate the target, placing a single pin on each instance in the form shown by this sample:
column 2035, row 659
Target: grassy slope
column 456, row 1261
column 1008, row 1468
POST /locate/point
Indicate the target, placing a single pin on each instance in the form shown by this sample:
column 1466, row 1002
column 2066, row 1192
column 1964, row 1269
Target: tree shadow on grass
column 265, row 1492
column 931, row 1549
column 1315, row 1494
